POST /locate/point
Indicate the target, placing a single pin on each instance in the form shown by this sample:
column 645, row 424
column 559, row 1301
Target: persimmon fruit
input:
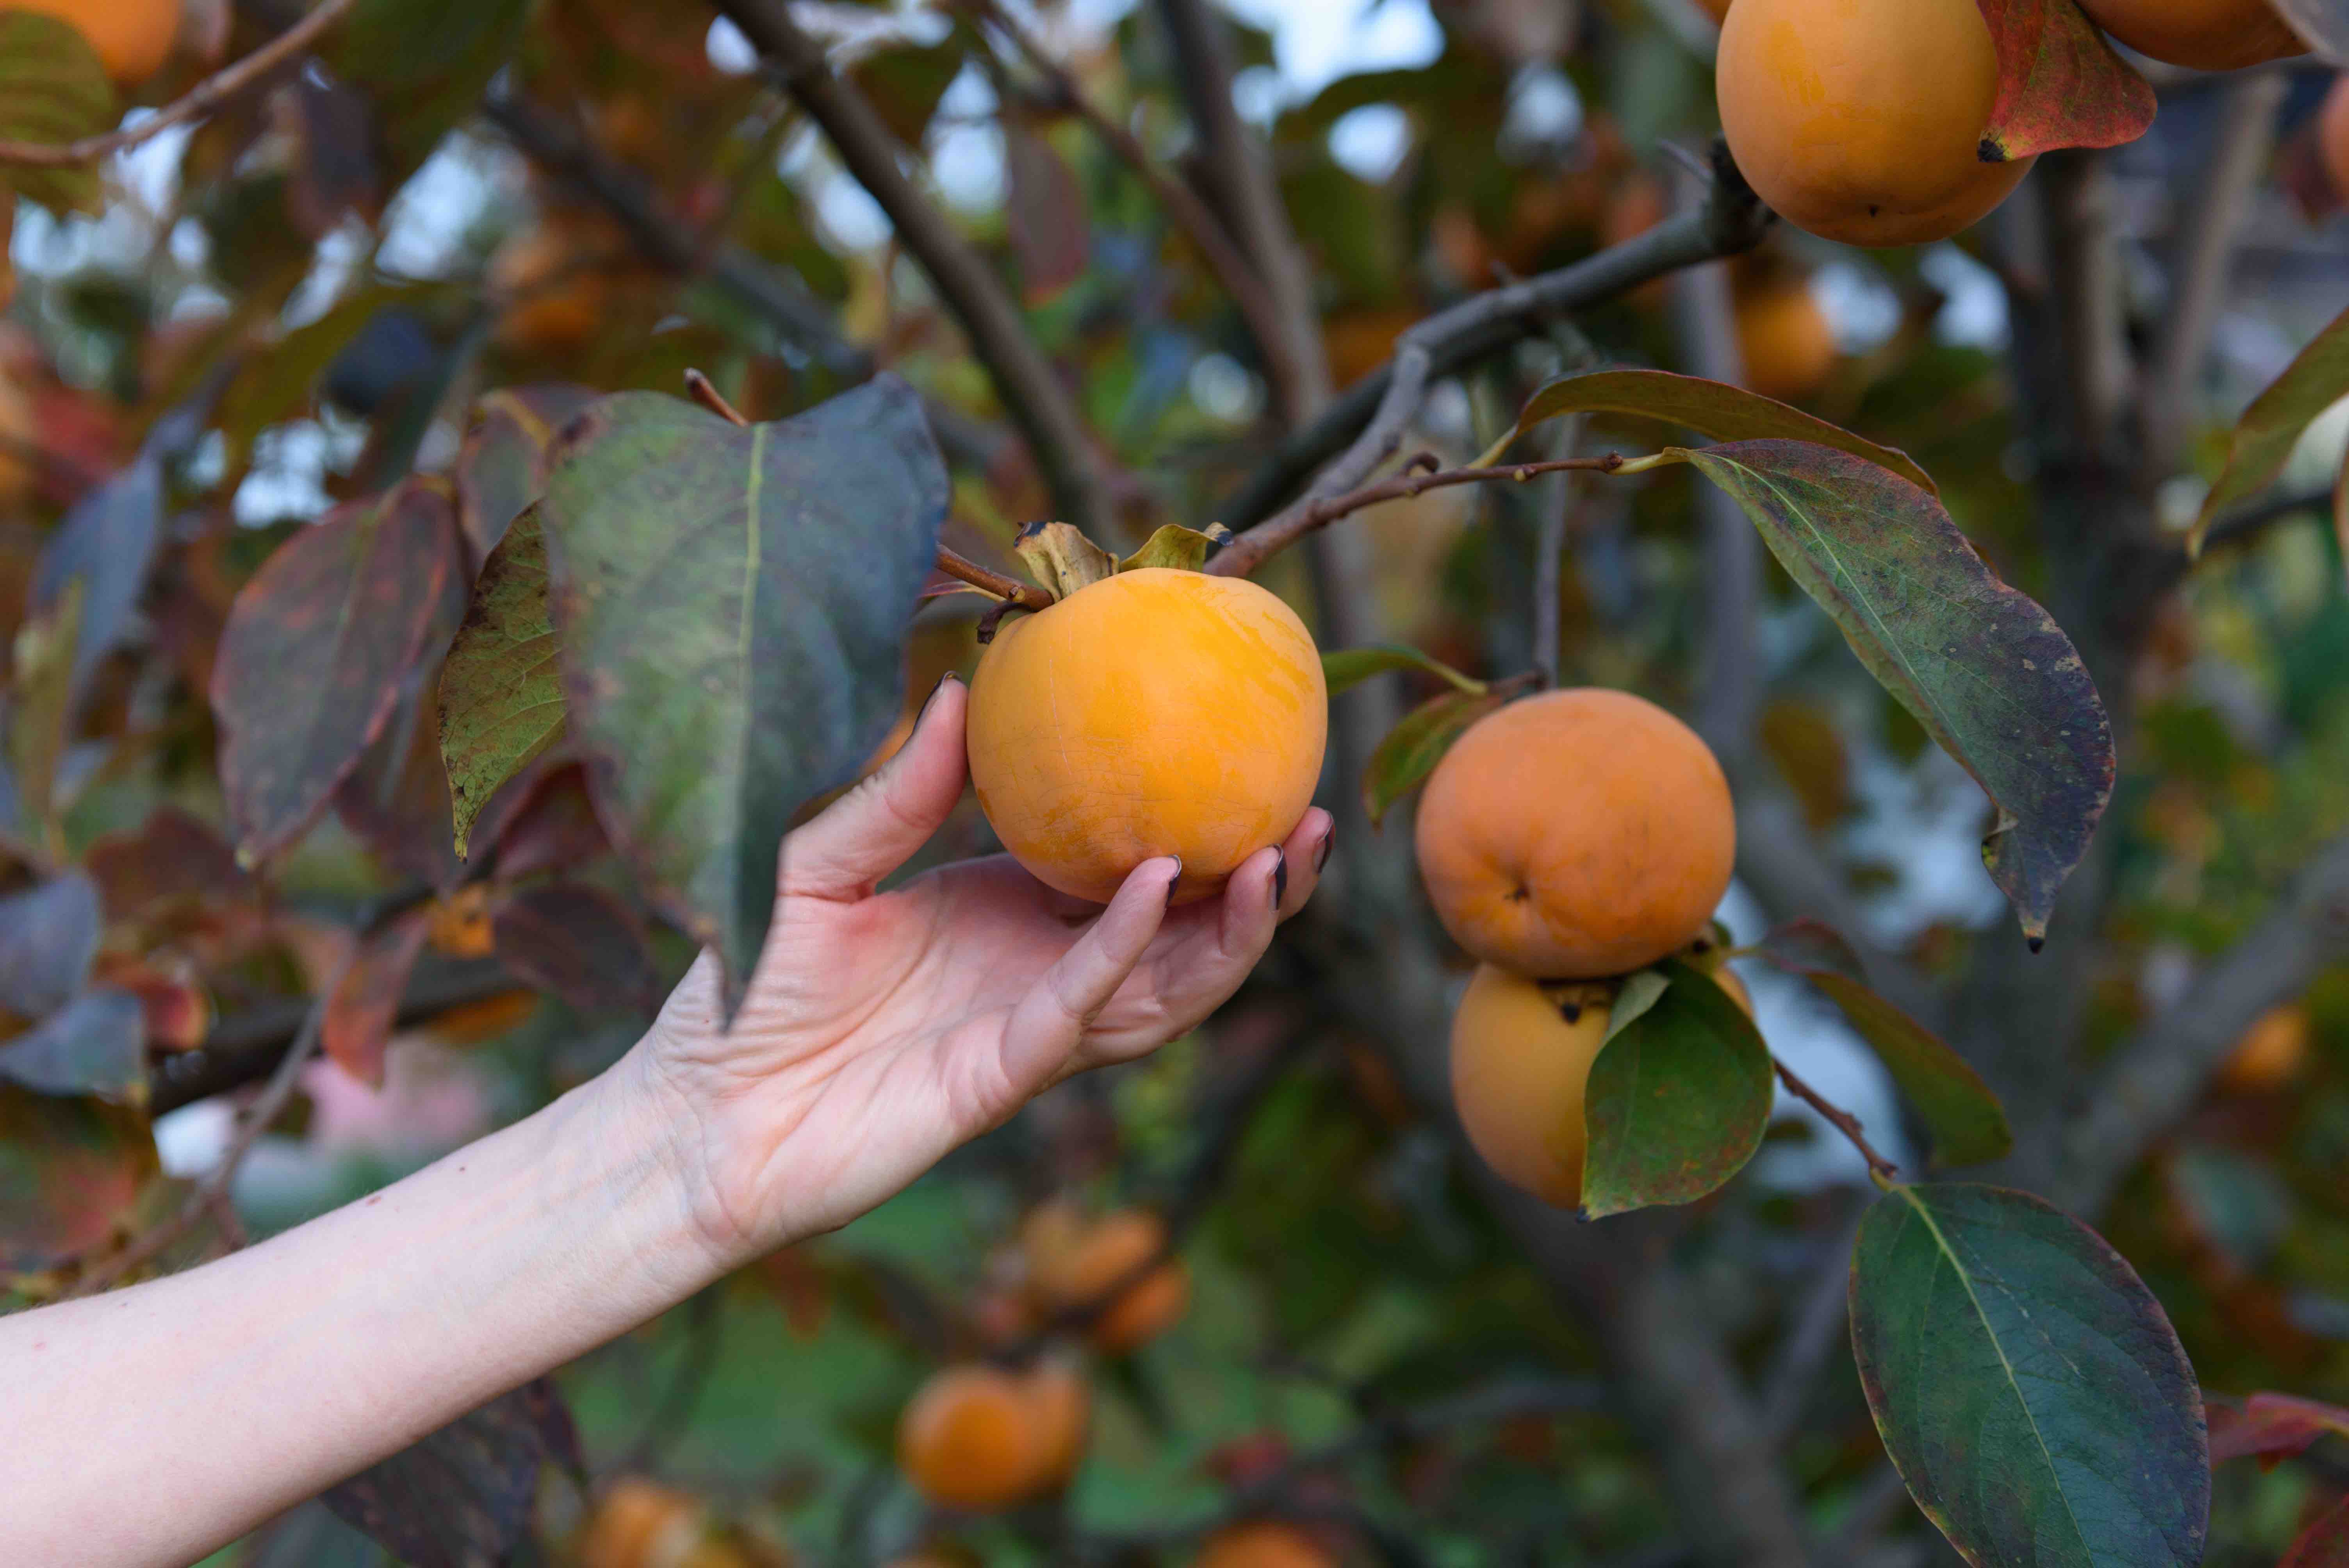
column 2332, row 136
column 1862, row 120
column 1521, row 1055
column 1264, row 1544
column 982, row 1437
column 1074, row 1266
column 2269, row 1055
column 2206, row 34
column 1154, row 712
column 132, row 38
column 1574, row 835
column 20, row 437
column 641, row 1524
column 1785, row 339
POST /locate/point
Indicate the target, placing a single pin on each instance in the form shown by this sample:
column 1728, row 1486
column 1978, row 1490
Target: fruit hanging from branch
column 2205, row 35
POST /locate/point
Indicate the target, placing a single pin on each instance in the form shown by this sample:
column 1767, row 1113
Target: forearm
column 221, row 1395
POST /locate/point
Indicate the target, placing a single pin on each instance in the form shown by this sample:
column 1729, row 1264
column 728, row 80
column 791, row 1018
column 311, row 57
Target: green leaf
column 502, row 466
column 1966, row 1119
column 2060, row 83
column 1416, row 744
column 1678, row 1102
column 1641, row 990
column 2026, row 1384
column 733, row 606
column 95, row 1043
column 422, row 66
column 1712, row 408
column 2273, row 425
column 1350, row 667
column 1985, row 670
column 904, row 82
column 53, row 89
column 1176, row 547
column 501, row 703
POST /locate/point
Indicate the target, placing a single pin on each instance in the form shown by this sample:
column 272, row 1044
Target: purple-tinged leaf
column 364, row 1005
column 70, row 1171
column 502, row 466
column 2060, row 83
column 580, row 943
column 48, row 935
column 2271, row 1427
column 106, row 543
column 462, row 1497
column 2325, row 1544
column 95, row 1043
column 1051, row 235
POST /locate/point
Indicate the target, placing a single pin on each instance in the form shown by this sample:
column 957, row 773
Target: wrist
column 649, row 1164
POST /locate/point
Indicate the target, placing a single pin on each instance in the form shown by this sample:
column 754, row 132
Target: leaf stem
column 1881, row 1170
column 203, row 97
column 705, row 392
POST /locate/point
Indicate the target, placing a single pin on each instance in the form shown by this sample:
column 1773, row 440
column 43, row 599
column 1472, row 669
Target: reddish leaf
column 1045, row 211
column 361, row 1012
column 48, row 934
column 317, row 647
column 463, row 1495
column 554, row 829
column 69, row 1171
column 2323, row 1544
column 395, row 801
column 175, row 858
column 2271, row 1427
column 579, row 943
column 502, row 466
column 2060, row 83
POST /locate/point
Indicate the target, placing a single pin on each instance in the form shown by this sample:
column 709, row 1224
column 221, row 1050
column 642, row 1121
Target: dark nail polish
column 1321, row 855
column 1279, row 880
column 933, row 697
column 1174, row 883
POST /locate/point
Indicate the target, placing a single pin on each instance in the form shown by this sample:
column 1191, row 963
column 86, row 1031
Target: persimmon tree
column 432, row 629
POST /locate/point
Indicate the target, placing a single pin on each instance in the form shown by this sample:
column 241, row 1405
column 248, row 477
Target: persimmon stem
column 1010, row 590
column 705, row 392
column 1879, row 1170
column 202, row 99
column 1421, row 472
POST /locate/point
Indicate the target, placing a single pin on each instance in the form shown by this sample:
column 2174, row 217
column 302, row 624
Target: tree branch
column 1030, row 388
column 2154, row 1080
column 1419, row 476
column 1363, row 427
column 1729, row 684
column 202, row 99
column 2204, row 256
column 1842, row 1120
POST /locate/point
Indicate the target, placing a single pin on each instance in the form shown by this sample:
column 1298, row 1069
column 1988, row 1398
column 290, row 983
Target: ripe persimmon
column 2206, row 35
column 1154, row 712
column 1264, row 1544
column 1521, row 1055
column 1785, row 339
column 641, row 1524
column 982, row 1436
column 20, row 437
column 2332, row 136
column 1862, row 120
column 132, row 38
column 2270, row 1054
column 1072, row 1268
column 1576, row 834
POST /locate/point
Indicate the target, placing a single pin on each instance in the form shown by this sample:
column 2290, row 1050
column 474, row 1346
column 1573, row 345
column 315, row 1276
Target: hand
column 880, row 1030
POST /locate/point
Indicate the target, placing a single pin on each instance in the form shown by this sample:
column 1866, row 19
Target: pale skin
column 153, row 1424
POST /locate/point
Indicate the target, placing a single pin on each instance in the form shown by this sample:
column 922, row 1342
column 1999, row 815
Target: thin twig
column 1841, row 1119
column 202, row 99
column 1257, row 545
column 1030, row 388
column 705, row 392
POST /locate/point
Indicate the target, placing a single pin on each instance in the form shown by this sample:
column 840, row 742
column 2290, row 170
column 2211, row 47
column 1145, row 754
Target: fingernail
column 1328, row 839
column 1279, row 880
column 927, row 701
column 1174, row 882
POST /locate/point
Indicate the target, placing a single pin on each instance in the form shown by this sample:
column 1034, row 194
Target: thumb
column 875, row 828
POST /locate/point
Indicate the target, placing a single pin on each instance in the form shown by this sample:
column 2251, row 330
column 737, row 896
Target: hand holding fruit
column 884, row 1028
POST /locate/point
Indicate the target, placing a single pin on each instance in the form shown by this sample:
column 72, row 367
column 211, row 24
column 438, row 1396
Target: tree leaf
column 904, row 82
column 48, row 935
column 2060, row 83
column 351, row 603
column 1712, row 408
column 1640, row 991
column 2271, row 1427
column 1349, row 667
column 1178, row 548
column 40, row 712
column 1677, row 1100
column 174, row 857
column 501, row 467
column 2027, row 1386
column 366, row 1004
column 2270, row 428
column 106, row 543
column 733, row 606
column 1059, row 556
column 95, row 1043
column 53, row 89
column 1411, row 750
column 1044, row 211
column 462, row 1497
column 2325, row 1544
column 422, row 66
column 554, row 827
column 1965, row 1117
column 501, row 703
column 580, row 943
column 69, row 1172
column 1988, row 673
